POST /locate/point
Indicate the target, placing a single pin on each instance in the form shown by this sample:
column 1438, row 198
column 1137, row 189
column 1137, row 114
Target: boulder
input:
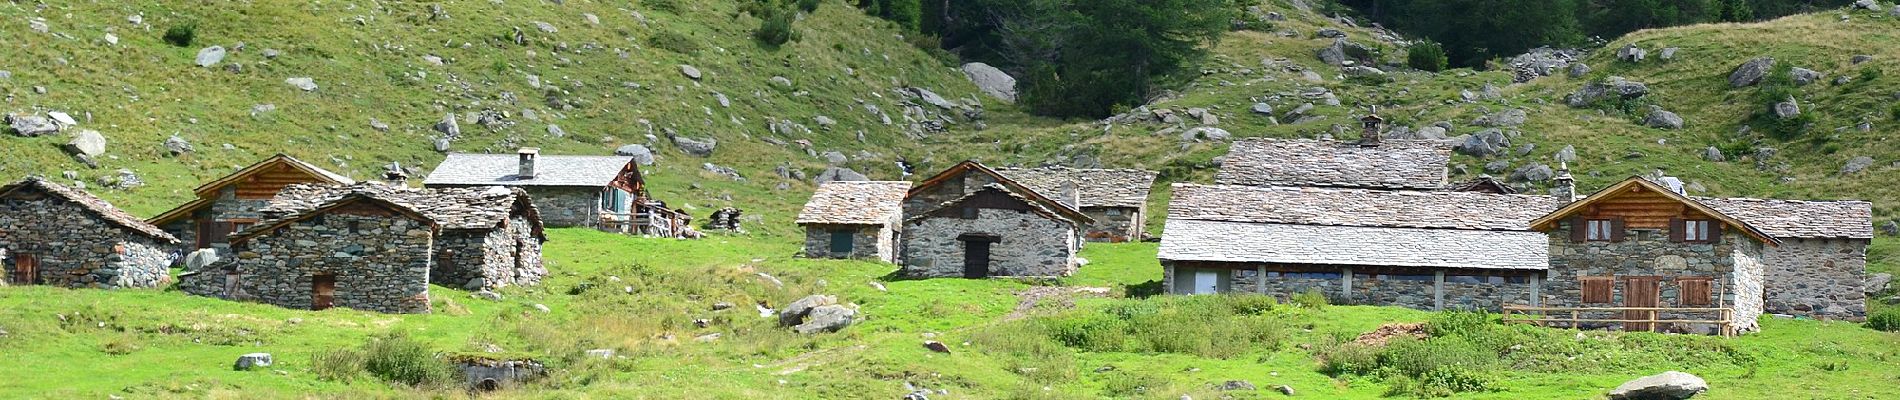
column 448, row 126
column 991, row 81
column 31, row 125
column 1713, row 154
column 932, row 98
column 1668, row 53
column 699, row 147
column 837, row 174
column 1861, row 58
column 1787, row 109
column 1891, row 228
column 1430, row 133
column 1659, row 118
column 1262, row 108
column 545, row 27
column 1330, row 33
column 1856, row 165
column 1498, row 166
column 302, row 83
column 827, row 318
column 254, row 360
column 87, row 142
column 1206, row 133
column 210, row 56
column 1751, row 72
column 1804, row 76
column 723, row 171
column 1593, row 92
column 601, row 353
column 690, row 71
column 795, row 313
column 1506, row 118
column 1870, row 5
column 1237, row 385
column 1877, row 283
column 1532, row 173
column 1484, row 144
column 936, row 346
column 1362, row 72
column 640, row 153
column 200, row 259
column 1670, row 385
column 1567, row 155
column 1631, row 53
column 1579, row 70
column 834, row 158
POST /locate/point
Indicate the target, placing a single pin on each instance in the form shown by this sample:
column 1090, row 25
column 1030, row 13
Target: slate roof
column 855, row 203
column 500, row 169
column 208, row 192
column 1096, row 187
column 1393, row 164
column 1358, row 207
column 93, row 204
column 458, row 208
column 1014, row 188
column 1800, row 219
column 1241, row 242
column 1045, row 209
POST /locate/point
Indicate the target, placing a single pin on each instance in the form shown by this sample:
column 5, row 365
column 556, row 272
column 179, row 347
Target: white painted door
column 1206, row 282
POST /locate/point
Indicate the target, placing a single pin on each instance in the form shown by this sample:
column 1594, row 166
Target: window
column 1303, row 275
column 1696, row 231
column 614, row 200
column 1694, row 290
column 1598, row 289
column 1599, row 230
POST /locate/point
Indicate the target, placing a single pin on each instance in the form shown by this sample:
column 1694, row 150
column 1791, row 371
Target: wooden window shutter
column 1695, row 291
column 1678, row 230
column 1616, row 229
column 1579, row 230
column 1597, row 289
column 1715, row 231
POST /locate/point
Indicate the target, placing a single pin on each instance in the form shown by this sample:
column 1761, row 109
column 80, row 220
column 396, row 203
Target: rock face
column 1659, row 118
column 254, row 360
column 1751, row 72
column 1617, row 86
column 991, row 81
column 640, row 153
column 87, row 143
column 31, row 125
column 698, row 147
column 1670, row 385
column 210, row 56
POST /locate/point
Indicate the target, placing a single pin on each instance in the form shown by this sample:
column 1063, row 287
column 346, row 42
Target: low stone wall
column 1817, row 277
column 1031, row 245
column 76, row 248
column 867, row 242
column 380, row 261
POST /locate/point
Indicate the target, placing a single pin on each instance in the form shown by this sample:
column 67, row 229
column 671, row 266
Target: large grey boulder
column 448, row 126
column 699, row 147
column 640, row 153
column 1788, row 108
column 991, row 81
column 1857, row 164
column 795, row 313
column 254, row 360
column 1870, row 5
column 1567, row 155
column 1631, row 53
column 1670, row 385
column 1617, row 86
column 1751, row 72
column 827, row 318
column 1506, row 118
column 31, row 125
column 1877, row 283
column 200, row 259
column 691, row 72
column 1579, row 70
column 210, row 56
column 932, row 98
column 1533, row 173
column 839, row 174
column 177, row 145
column 1713, row 154
column 1484, row 144
column 1659, row 118
column 1804, row 76
column 87, row 142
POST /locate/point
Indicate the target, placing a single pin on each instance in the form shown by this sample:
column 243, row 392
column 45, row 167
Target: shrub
column 1427, row 56
column 1896, row 112
column 809, row 5
column 1094, row 332
column 775, row 27
column 674, row 42
column 341, row 365
column 671, row 6
column 1442, row 382
column 1348, row 359
column 181, row 35
column 1887, row 320
column 397, row 358
column 1779, row 86
column 1416, row 357
column 1459, row 323
column 1311, row 299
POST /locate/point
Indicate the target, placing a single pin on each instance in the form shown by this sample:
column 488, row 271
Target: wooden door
column 26, row 270
column 1206, row 282
column 976, row 259
column 322, row 291
column 1641, row 291
column 207, row 232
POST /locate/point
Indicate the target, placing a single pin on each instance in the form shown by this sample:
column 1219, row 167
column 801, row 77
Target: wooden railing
column 1573, row 316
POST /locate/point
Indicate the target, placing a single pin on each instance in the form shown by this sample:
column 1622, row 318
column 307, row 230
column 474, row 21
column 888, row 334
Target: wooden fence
column 1644, row 317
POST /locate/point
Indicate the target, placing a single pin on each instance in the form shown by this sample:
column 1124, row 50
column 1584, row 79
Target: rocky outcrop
column 1659, row 118
column 1751, row 72
column 991, row 81
column 1614, row 86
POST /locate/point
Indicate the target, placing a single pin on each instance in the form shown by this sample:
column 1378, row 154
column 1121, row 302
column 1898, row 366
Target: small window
column 1599, row 230
column 1598, row 289
column 1695, row 230
column 1309, row 275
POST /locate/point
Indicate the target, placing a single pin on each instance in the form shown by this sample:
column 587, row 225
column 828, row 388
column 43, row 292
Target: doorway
column 1206, row 282
column 842, row 241
column 1641, row 292
column 976, row 255
column 26, row 270
column 322, row 291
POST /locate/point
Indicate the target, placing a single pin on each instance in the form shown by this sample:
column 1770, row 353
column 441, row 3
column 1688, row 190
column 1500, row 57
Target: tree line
column 1474, row 31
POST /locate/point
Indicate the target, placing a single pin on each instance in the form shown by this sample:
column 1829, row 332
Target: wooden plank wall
column 265, row 184
column 1641, row 208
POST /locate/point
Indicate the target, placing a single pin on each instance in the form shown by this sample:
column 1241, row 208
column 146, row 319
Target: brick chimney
column 528, row 154
column 1566, row 187
column 1371, row 123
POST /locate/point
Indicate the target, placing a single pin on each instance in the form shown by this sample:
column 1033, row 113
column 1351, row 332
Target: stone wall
column 1114, row 224
column 868, row 242
column 1648, row 252
column 567, row 206
column 380, row 262
column 488, row 259
column 226, row 207
column 1369, row 289
column 78, row 249
column 950, row 189
column 1817, row 277
column 1032, row 244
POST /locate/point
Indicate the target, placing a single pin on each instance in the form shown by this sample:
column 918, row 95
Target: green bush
column 1093, row 332
column 340, row 365
column 809, row 5
column 1459, row 323
column 1887, row 320
column 181, row 35
column 671, row 6
column 1427, row 56
column 775, row 27
column 399, row 359
column 1208, row 326
column 1311, row 299
column 1348, row 359
column 1443, row 382
column 674, row 42
column 1416, row 357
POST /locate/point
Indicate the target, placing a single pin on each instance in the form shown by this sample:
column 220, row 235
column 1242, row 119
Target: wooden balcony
column 1633, row 319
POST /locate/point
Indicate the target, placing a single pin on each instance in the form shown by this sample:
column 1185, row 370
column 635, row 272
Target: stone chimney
column 1069, row 194
column 1566, row 186
column 394, row 175
column 1371, row 123
column 528, row 154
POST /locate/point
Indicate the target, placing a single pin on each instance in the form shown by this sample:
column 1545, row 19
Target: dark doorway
column 842, row 242
column 207, row 231
column 976, row 255
column 1641, row 292
column 322, row 291
column 26, row 270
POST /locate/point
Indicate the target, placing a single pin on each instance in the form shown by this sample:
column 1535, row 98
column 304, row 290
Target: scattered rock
column 640, row 153
column 1532, row 173
column 1659, row 118
column 1263, row 108
column 699, row 147
column 556, row 131
column 1804, row 76
column 601, row 353
column 1237, row 385
column 1329, row 33
column 1567, row 155
column 448, row 126
column 1206, row 133
column 442, row 145
column 126, row 179
column 1498, row 166
column 88, row 143
column 1861, row 58
column 1670, row 385
column 272, row 53
column 545, row 27
column 1751, row 72
column 1506, row 118
column 1870, row 5
column 210, row 56
column 1877, row 283
column 936, row 346
column 991, row 81
column 1593, row 92
column 690, row 71
column 1667, row 53
column 835, row 174
column 781, row 82
column 1856, row 165
column 1631, row 53
column 722, row 306
column 1891, row 228
column 304, row 83
column 1579, row 70
column 723, row 170
column 1713, row 154
column 487, row 295
column 1285, row 390
column 200, row 259
column 834, row 158
column 828, row 318
column 1788, row 108
column 824, row 122
column 254, row 360
column 724, row 102
column 1484, row 144
column 261, row 109
column 31, row 126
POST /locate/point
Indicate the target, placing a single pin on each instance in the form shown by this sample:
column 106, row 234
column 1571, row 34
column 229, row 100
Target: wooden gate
column 322, row 291
column 26, row 270
column 1641, row 292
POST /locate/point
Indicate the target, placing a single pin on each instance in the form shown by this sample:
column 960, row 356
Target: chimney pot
column 1372, row 123
column 528, row 154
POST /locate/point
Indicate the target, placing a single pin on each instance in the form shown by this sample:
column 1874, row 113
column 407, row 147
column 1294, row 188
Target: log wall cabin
column 231, row 203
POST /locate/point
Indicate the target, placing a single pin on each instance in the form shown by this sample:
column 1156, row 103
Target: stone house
column 603, row 192
column 378, row 247
column 970, row 221
column 231, row 203
column 1418, row 249
column 1819, row 266
column 1116, row 198
column 846, row 219
column 55, row 235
